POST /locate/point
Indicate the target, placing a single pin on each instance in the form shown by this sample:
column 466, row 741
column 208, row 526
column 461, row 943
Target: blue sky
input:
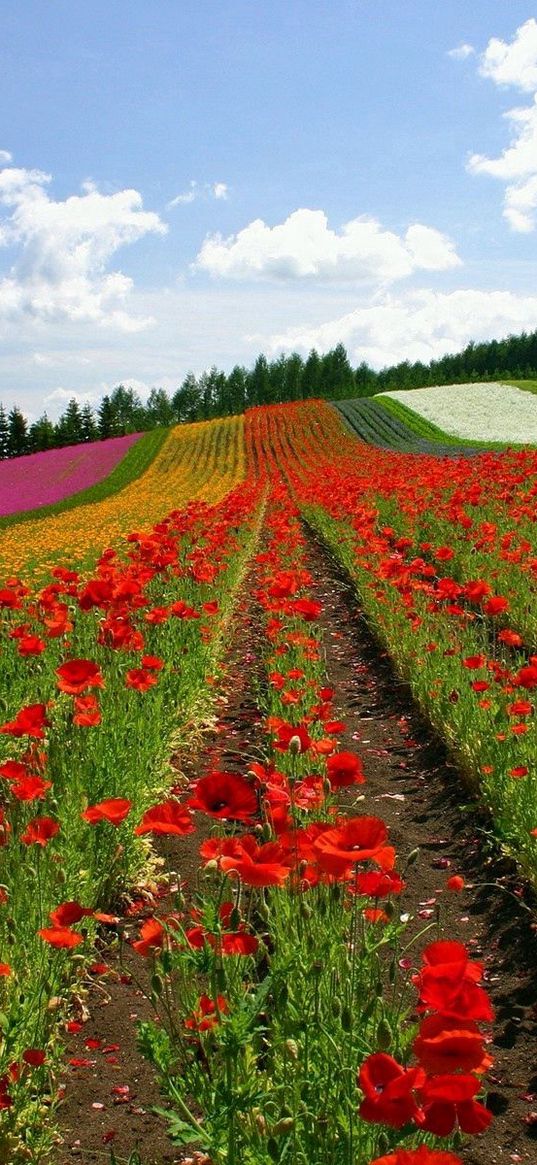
column 188, row 182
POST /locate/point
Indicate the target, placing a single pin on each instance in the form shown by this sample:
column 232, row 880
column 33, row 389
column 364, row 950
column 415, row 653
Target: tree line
column 287, row 378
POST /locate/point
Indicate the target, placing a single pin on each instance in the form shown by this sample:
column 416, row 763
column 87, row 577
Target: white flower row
column 480, row 412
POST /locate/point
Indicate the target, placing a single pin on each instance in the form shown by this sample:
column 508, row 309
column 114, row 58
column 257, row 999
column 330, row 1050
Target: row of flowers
column 284, row 1002
column 99, row 671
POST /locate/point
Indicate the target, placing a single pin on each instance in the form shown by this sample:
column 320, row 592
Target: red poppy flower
column 30, row 721
column 344, row 769
column 225, row 796
column 31, row 645
column 378, row 884
column 449, row 1100
column 87, row 712
column 355, row 840
column 496, row 605
column 207, row 1013
column 35, row 1057
column 77, row 675
column 39, row 831
column 526, row 677
column 5, row 970
column 444, row 1045
column 424, row 1155
column 114, row 810
column 69, row 913
column 13, row 770
column 30, row 788
column 388, row 1090
column 139, row 679
column 60, row 937
column 258, row 865
column 239, row 943
column 152, row 938
column 455, row 883
column 448, row 983
column 152, row 662
column 169, row 817
column 292, row 736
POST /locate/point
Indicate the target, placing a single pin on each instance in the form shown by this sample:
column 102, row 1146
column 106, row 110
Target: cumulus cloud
column 5, row 157
column 63, row 249
column 461, row 52
column 218, row 190
column 421, row 325
column 305, row 247
column 515, row 63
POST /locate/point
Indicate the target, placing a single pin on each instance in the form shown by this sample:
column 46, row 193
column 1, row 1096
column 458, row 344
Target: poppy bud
column 157, row 985
column 305, row 910
column 234, row 918
column 295, row 746
column 211, row 865
column 384, row 1034
column 389, row 909
column 336, row 1008
column 266, row 832
column 346, row 1019
column 291, row 1048
column 413, row 856
column 283, row 1126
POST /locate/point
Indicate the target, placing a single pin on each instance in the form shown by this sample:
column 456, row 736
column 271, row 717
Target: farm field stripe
column 132, row 465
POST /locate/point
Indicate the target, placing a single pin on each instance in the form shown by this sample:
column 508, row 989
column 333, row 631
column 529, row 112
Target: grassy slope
column 424, row 428
column 137, row 459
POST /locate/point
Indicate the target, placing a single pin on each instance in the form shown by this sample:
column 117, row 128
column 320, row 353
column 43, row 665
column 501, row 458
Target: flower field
column 42, row 479
column 194, row 461
column 300, row 1008
column 477, row 412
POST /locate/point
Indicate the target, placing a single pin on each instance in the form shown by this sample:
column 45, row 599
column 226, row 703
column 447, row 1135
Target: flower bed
column 41, row 479
column 477, row 412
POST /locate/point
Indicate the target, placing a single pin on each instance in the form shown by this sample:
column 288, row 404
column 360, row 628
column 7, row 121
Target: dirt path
column 410, row 784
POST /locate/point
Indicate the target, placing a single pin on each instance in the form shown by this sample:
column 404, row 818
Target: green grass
column 424, row 428
column 133, row 465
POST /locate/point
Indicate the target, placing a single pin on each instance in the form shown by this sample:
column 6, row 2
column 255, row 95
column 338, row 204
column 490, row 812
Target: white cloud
column 63, row 249
column 515, row 64
column 461, row 52
column 5, row 157
column 218, row 190
column 422, row 325
column 305, row 247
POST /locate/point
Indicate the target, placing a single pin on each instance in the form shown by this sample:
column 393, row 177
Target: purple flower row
column 42, row 479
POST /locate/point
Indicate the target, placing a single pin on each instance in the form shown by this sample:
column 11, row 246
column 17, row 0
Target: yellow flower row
column 203, row 460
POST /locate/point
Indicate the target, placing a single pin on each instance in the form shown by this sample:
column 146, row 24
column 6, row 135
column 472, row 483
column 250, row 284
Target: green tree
column 186, row 402
column 69, row 427
column 42, row 435
column 88, row 427
column 107, row 422
column 17, row 441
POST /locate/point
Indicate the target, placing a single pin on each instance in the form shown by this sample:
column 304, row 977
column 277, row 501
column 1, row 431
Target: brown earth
column 410, row 783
